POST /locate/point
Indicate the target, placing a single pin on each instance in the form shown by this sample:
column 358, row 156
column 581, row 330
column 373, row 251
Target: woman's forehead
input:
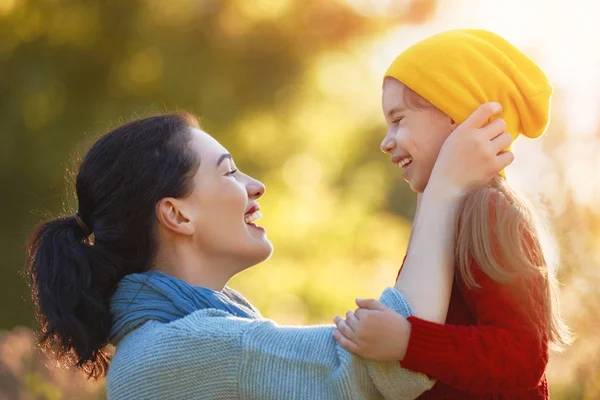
column 205, row 145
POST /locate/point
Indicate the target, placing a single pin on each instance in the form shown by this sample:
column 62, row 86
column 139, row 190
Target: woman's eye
column 232, row 172
column 397, row 120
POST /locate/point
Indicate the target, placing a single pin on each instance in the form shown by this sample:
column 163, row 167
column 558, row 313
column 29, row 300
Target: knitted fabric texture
column 458, row 70
column 211, row 354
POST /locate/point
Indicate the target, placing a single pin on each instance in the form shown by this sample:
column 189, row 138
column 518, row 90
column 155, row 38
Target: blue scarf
column 154, row 296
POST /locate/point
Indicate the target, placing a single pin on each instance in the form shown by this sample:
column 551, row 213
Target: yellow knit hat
column 458, row 70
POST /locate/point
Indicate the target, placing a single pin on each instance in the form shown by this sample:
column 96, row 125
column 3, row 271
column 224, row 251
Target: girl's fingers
column 501, row 142
column 493, row 129
column 370, row 304
column 352, row 321
column 483, row 114
column 345, row 342
column 343, row 327
column 504, row 159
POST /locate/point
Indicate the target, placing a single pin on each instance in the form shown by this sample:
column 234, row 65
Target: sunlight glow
column 381, row 8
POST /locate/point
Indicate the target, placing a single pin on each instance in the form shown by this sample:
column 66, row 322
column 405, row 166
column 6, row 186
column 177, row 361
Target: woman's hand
column 473, row 153
column 373, row 331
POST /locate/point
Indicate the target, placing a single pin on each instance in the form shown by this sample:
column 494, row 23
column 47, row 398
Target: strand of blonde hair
column 512, row 250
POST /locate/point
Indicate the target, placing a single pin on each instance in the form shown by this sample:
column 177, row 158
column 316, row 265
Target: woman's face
column 223, row 207
column 415, row 134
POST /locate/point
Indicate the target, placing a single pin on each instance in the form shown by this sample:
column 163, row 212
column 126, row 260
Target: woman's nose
column 255, row 189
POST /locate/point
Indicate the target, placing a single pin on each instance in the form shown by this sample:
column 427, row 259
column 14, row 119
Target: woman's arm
column 303, row 357
column 218, row 356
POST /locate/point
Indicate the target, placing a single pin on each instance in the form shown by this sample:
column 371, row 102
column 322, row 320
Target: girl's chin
column 417, row 181
column 416, row 185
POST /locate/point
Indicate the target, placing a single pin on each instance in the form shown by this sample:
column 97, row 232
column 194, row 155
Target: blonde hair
column 499, row 230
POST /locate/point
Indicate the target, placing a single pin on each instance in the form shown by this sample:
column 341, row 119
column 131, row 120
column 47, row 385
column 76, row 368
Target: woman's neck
column 196, row 269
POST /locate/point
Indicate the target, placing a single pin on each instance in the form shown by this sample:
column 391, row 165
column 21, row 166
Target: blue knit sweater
column 210, row 354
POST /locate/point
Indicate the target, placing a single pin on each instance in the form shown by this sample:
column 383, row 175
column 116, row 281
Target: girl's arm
column 428, row 270
column 470, row 157
column 415, row 219
column 507, row 350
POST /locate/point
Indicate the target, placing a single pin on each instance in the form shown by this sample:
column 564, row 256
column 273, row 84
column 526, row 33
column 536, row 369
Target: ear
column 446, row 121
column 170, row 216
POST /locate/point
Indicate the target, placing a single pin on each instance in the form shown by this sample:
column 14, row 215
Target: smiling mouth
column 250, row 218
column 403, row 162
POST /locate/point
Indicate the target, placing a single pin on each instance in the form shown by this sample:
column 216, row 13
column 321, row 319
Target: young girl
column 503, row 313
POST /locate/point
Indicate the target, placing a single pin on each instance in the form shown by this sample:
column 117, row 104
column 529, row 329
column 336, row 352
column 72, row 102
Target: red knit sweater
column 494, row 344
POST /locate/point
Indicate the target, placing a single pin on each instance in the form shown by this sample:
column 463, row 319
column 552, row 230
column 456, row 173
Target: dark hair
column 120, row 181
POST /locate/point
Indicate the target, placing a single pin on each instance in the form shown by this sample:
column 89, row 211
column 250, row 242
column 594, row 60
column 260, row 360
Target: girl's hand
column 473, row 153
column 374, row 331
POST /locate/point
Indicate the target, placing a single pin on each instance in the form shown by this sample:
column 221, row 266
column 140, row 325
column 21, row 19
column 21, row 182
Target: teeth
column 405, row 162
column 252, row 217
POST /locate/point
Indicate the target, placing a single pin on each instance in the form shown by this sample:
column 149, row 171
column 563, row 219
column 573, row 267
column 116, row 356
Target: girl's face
column 416, row 132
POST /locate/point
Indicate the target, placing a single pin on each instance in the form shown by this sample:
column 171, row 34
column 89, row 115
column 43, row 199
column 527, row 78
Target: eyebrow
column 223, row 157
column 395, row 110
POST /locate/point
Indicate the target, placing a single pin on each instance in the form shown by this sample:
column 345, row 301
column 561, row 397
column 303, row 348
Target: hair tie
column 86, row 231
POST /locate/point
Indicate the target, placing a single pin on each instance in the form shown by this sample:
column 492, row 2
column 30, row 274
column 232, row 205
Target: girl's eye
column 232, row 172
column 397, row 121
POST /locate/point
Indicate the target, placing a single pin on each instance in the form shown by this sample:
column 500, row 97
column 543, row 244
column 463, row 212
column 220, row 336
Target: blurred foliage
column 25, row 373
column 288, row 87
column 72, row 69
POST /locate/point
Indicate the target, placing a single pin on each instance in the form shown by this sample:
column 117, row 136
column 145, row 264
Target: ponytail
column 121, row 179
column 71, row 294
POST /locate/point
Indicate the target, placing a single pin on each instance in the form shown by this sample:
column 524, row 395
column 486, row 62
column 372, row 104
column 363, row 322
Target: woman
column 172, row 221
